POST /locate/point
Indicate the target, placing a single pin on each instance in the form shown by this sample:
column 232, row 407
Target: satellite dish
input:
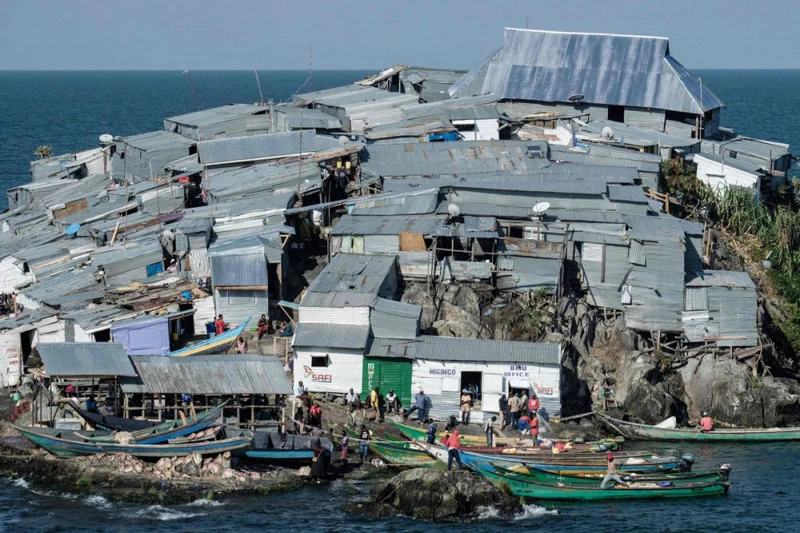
column 454, row 210
column 541, row 207
column 574, row 98
column 106, row 139
column 607, row 132
column 343, row 140
column 73, row 228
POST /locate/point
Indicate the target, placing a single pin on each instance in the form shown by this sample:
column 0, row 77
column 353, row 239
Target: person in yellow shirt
column 375, row 403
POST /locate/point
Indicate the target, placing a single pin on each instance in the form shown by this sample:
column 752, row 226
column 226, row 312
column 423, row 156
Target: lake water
column 69, row 110
column 763, row 498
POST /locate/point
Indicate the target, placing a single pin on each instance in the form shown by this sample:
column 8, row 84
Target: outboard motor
column 724, row 471
column 687, row 461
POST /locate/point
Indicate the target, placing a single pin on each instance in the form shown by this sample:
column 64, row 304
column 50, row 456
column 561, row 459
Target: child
column 345, row 446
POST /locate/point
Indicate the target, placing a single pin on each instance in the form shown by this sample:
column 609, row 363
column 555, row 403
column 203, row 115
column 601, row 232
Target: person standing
column 611, row 473
column 219, row 325
column 345, row 445
column 488, row 429
column 453, row 451
column 373, row 403
column 420, row 403
column 533, row 404
column 534, row 425
column 300, row 393
column 513, row 409
column 363, row 443
column 466, row 401
column 523, row 403
column 431, row 433
column 502, row 404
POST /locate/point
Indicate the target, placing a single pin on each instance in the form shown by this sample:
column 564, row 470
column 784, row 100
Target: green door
column 388, row 374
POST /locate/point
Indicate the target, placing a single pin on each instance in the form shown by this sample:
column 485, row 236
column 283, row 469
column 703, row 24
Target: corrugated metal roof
column 85, row 359
column 207, row 117
column 415, row 203
column 157, row 140
column 296, row 118
column 342, row 336
column 209, row 374
column 338, row 299
column 756, row 148
column 257, row 147
column 628, row 70
column 631, row 193
column 721, row 278
column 487, row 210
column 354, row 273
column 467, row 350
column 387, row 225
column 654, row 228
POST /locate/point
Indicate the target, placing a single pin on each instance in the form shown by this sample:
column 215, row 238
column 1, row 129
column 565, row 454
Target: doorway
column 616, row 113
column 472, row 381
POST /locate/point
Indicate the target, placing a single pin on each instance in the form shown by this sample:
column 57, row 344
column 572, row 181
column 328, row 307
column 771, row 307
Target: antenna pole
column 308, row 81
column 702, row 110
column 191, row 86
column 258, row 82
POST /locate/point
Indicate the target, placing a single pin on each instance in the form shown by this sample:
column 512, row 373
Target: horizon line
column 296, row 70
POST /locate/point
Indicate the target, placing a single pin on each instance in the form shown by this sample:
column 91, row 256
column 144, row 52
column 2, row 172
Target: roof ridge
column 588, row 33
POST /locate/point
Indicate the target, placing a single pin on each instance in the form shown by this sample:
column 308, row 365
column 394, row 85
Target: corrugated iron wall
column 238, row 305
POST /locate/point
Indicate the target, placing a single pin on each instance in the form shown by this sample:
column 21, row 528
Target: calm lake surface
column 69, row 110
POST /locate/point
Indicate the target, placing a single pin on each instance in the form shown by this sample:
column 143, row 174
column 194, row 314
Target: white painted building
column 722, row 174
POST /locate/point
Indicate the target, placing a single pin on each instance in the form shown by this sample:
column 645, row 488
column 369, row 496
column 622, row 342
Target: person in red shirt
column 453, row 446
column 706, row 423
column 533, row 403
column 534, row 425
column 219, row 325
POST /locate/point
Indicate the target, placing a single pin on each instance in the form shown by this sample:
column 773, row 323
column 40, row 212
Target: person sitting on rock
column 263, row 326
column 391, row 402
column 706, row 423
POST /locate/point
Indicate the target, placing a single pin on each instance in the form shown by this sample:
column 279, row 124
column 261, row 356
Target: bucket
column 16, row 397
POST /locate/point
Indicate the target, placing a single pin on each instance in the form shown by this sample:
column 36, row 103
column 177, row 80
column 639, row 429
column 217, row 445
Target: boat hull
column 548, row 491
column 215, row 345
column 645, row 432
column 594, row 480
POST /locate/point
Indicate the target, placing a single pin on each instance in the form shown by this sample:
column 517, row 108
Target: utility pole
column 191, row 86
column 258, row 82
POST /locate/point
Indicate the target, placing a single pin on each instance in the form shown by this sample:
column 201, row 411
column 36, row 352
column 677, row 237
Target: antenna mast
column 308, row 82
column 191, row 86
column 258, row 82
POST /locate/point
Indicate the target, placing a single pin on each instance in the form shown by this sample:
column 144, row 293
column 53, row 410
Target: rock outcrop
column 435, row 495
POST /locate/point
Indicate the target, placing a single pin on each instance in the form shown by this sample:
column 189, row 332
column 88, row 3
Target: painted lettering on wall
column 443, row 371
column 516, row 371
column 317, row 378
column 542, row 390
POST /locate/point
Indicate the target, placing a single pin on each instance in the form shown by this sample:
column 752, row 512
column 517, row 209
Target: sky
column 372, row 34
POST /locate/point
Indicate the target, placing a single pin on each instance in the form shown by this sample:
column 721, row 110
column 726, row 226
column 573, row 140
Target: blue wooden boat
column 266, row 447
column 215, row 345
column 112, row 423
column 63, row 443
column 167, row 431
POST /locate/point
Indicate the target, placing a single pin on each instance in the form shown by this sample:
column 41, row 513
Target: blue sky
column 246, row 34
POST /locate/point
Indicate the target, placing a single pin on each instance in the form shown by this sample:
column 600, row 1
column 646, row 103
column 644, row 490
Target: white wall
column 10, row 357
column 485, row 130
column 11, row 275
column 442, row 382
column 344, row 370
column 721, row 177
column 335, row 315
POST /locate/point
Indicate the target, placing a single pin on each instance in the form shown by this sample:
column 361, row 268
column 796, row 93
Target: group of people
column 521, row 412
column 307, row 412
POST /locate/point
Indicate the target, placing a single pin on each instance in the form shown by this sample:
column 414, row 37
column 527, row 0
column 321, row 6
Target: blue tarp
column 447, row 136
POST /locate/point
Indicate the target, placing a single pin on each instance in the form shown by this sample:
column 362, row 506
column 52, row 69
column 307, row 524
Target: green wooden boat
column 540, row 475
column 523, row 486
column 420, row 433
column 632, row 430
column 400, row 454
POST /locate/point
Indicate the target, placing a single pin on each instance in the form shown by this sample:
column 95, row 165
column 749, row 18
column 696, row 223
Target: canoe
column 593, row 480
column 112, row 423
column 71, row 443
column 643, row 431
column 265, row 447
column 169, row 430
column 215, row 345
column 474, row 461
column 399, row 454
column 419, row 433
column 524, row 487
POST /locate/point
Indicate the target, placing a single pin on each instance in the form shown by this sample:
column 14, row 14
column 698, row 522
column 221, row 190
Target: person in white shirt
column 391, row 402
column 350, row 397
column 299, row 395
column 488, row 428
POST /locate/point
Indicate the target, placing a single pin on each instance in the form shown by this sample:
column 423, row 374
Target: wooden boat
column 111, row 423
column 265, row 447
column 72, row 443
column 594, row 480
column 215, row 345
column 419, row 433
column 170, row 430
column 522, row 486
column 575, row 466
column 642, row 431
column 400, row 454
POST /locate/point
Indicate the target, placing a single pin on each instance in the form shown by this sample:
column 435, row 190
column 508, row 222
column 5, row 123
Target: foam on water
column 164, row 514
column 488, row 513
column 21, row 483
column 534, row 511
column 204, row 502
column 97, row 501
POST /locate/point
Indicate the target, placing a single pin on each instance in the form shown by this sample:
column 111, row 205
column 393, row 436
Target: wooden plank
column 412, row 242
column 70, row 208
